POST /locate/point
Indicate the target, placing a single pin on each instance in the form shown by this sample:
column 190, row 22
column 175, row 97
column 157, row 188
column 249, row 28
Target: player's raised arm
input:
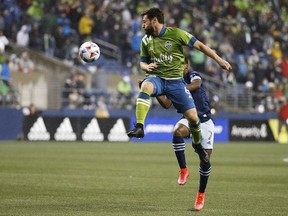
column 209, row 52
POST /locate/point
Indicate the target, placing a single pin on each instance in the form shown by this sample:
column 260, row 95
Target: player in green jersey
column 162, row 58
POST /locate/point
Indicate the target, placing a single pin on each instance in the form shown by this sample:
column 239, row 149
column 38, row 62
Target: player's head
column 150, row 18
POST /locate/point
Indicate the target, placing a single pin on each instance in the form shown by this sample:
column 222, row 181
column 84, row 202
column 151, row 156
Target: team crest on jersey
column 168, row 44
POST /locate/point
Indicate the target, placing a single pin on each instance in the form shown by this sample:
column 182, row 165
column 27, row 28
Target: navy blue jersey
column 200, row 97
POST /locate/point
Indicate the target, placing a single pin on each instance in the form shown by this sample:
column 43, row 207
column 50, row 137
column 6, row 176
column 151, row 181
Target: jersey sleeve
column 194, row 76
column 144, row 56
column 186, row 38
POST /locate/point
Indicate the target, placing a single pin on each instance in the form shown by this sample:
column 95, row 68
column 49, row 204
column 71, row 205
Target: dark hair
column 154, row 12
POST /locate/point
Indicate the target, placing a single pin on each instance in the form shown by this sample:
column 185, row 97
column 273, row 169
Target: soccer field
column 64, row 178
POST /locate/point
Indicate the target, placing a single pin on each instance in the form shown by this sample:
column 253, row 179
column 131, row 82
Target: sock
column 196, row 132
column 179, row 149
column 204, row 170
column 142, row 107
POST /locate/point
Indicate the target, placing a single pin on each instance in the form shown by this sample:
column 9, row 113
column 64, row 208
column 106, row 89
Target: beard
column 149, row 31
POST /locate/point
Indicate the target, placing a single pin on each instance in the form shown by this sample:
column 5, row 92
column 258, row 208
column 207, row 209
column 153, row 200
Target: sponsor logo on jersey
column 164, row 57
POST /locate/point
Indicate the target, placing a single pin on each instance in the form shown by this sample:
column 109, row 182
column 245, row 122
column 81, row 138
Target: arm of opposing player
column 164, row 101
column 212, row 54
column 195, row 84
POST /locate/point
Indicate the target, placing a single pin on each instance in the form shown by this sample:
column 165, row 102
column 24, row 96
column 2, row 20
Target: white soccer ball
column 89, row 51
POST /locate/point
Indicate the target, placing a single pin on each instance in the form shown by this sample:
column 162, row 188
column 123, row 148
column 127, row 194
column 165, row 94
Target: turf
column 63, row 178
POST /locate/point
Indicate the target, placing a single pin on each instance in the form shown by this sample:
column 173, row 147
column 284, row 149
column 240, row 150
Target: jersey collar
column 162, row 32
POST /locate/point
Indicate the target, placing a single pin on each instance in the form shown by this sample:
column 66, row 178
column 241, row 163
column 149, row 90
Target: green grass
column 63, row 178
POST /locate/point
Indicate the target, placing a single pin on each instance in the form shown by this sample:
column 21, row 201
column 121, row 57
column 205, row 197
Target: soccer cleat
column 137, row 132
column 183, row 175
column 203, row 155
column 199, row 202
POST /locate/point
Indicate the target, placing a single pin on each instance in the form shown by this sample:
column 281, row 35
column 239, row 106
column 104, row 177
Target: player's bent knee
column 147, row 87
column 181, row 131
column 192, row 116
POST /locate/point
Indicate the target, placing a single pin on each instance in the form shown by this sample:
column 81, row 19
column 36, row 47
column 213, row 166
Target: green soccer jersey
column 166, row 51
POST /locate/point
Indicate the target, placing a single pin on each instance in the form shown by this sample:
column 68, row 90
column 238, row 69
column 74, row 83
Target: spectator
column 5, row 74
column 86, row 24
column 75, row 94
column 261, row 36
column 75, row 14
column 197, row 59
column 31, row 111
column 2, row 22
column 70, row 83
column 36, row 38
column 4, row 88
column 125, row 92
column 14, row 63
column 3, row 42
column 35, row 11
column 59, row 41
column 65, row 23
column 26, row 65
column 242, row 70
column 74, row 99
column 49, row 44
column 81, row 90
column 4, row 92
column 283, row 117
column 276, row 50
column 22, row 38
column 284, row 65
column 102, row 110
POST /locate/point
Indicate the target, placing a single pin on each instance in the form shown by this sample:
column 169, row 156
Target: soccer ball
column 89, row 51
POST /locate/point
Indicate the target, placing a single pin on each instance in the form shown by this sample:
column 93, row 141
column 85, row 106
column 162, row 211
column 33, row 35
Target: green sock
column 142, row 107
column 196, row 132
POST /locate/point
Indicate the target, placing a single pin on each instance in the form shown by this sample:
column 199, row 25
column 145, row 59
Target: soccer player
column 181, row 131
column 162, row 58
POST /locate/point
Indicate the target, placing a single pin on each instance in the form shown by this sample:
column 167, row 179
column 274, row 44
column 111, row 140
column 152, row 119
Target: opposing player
column 162, row 58
column 181, row 130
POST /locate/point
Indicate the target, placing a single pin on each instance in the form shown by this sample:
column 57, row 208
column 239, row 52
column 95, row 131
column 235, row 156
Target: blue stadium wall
column 81, row 125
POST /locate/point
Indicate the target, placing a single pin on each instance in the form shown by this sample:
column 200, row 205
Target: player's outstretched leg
column 137, row 132
column 203, row 156
column 142, row 108
column 204, row 171
column 196, row 135
column 199, row 202
column 179, row 149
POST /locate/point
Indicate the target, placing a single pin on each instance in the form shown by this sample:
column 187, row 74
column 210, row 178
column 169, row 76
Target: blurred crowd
column 251, row 35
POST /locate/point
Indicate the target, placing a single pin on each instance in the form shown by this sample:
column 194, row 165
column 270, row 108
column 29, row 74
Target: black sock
column 204, row 170
column 179, row 149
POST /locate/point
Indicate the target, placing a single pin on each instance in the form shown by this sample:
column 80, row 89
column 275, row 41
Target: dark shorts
column 175, row 90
